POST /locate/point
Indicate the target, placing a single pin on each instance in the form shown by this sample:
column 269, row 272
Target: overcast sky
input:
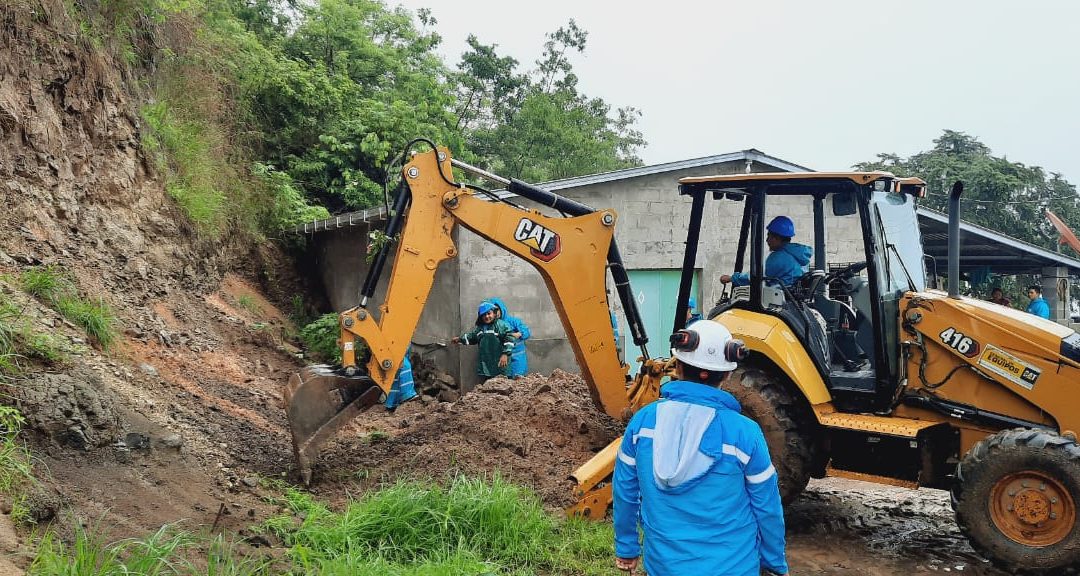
column 824, row 84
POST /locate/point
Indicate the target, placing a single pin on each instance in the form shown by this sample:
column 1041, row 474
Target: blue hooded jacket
column 1039, row 307
column 785, row 264
column 696, row 475
column 519, row 364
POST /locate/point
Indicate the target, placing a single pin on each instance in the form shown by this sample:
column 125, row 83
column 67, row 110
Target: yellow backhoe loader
column 859, row 370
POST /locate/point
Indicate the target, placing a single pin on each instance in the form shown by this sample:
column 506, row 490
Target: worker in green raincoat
column 493, row 338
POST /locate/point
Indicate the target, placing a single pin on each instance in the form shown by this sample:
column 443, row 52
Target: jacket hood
column 681, row 423
column 502, row 306
column 800, row 252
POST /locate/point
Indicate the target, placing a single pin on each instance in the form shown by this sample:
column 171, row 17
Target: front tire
column 786, row 422
column 1015, row 498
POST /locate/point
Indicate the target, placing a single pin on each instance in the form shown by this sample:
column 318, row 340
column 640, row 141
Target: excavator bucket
column 319, row 400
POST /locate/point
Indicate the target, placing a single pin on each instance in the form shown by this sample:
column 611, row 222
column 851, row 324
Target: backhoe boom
column 572, row 255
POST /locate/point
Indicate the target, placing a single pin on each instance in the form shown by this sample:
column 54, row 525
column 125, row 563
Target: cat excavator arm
column 572, row 255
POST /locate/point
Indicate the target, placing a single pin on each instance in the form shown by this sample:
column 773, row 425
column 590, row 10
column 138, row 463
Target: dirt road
column 848, row 527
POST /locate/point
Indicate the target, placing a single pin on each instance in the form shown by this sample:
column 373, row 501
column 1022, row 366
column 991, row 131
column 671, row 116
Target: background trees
column 999, row 194
column 348, row 82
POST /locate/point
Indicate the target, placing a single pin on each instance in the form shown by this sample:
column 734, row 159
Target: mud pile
column 534, row 431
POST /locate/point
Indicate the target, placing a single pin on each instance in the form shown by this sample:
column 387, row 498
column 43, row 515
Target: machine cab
column 866, row 254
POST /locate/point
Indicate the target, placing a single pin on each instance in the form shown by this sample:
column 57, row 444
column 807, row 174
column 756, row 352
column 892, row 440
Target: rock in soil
column 75, row 409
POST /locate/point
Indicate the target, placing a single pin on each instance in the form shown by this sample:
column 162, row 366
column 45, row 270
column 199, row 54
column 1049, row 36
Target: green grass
column 16, row 466
column 95, row 318
column 20, row 342
column 184, row 148
column 469, row 527
column 9, row 333
column 375, row 436
column 45, row 283
column 56, row 289
column 247, row 302
column 166, row 552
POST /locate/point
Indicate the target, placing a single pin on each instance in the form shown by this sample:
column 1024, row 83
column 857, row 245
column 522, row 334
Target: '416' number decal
column 957, row 341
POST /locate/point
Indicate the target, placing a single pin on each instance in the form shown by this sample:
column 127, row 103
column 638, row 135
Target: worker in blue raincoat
column 519, row 364
column 403, row 388
column 696, row 475
column 787, row 260
column 692, row 314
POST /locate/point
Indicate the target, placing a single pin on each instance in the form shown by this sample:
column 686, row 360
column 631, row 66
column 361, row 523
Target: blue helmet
column 692, row 304
column 484, row 308
column 782, row 226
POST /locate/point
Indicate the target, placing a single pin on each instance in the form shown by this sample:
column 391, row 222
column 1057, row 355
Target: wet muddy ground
column 849, row 527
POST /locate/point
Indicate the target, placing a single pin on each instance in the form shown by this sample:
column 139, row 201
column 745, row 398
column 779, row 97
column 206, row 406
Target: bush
column 321, row 338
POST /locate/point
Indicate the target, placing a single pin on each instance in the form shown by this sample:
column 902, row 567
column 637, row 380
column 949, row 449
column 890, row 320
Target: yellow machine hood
column 1027, row 329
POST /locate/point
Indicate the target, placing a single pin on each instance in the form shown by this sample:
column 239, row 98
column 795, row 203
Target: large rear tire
column 786, row 421
column 1015, row 498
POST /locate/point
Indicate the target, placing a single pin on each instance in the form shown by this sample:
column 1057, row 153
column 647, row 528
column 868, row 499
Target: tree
column 1006, row 196
column 539, row 126
column 352, row 84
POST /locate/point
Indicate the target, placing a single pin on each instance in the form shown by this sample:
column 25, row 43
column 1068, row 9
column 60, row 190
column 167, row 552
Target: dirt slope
column 167, row 425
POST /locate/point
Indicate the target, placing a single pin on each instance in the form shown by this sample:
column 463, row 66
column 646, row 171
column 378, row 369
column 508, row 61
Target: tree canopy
column 999, row 194
column 346, row 83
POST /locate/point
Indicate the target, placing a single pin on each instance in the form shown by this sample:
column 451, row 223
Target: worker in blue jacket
column 1038, row 305
column 519, row 364
column 692, row 314
column 787, row 260
column 696, row 475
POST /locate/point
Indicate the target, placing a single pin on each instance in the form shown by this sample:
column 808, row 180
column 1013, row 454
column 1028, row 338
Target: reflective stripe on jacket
column 696, row 475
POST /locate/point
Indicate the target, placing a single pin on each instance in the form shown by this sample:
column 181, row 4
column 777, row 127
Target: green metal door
column 657, row 293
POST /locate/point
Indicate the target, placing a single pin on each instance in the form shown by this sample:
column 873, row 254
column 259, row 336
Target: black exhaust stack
column 954, row 239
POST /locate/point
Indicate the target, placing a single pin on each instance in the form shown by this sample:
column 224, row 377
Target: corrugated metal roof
column 980, row 247
column 751, row 154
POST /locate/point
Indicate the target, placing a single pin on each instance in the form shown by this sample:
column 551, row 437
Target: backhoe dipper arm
column 570, row 254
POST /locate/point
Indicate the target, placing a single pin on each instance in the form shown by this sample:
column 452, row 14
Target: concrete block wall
column 342, row 260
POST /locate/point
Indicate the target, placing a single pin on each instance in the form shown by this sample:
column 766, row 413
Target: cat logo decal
column 544, row 243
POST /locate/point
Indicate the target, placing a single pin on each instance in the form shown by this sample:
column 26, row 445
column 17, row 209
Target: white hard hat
column 707, row 345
